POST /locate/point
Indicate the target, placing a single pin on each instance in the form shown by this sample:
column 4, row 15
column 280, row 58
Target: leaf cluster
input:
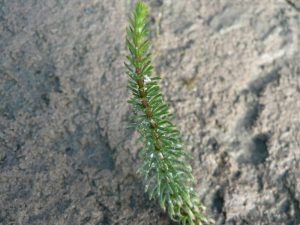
column 167, row 177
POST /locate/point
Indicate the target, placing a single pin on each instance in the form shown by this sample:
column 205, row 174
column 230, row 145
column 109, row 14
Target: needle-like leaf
column 167, row 176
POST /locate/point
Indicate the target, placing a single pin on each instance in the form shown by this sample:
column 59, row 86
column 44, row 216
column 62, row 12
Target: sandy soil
column 230, row 72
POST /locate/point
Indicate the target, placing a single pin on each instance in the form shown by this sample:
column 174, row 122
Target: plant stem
column 168, row 177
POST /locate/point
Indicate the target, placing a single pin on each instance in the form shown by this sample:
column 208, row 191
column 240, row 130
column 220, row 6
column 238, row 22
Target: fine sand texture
column 230, row 73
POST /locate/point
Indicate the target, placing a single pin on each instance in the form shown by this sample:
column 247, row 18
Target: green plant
column 167, row 177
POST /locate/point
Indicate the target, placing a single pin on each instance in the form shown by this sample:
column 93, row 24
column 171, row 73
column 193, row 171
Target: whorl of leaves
column 167, row 177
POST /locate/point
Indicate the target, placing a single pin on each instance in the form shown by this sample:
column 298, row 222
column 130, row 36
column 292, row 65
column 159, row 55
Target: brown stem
column 145, row 103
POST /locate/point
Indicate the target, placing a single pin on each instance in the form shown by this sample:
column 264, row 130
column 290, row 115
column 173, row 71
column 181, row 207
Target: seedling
column 167, row 177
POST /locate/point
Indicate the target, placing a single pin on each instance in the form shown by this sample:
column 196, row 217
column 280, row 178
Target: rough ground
column 230, row 72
